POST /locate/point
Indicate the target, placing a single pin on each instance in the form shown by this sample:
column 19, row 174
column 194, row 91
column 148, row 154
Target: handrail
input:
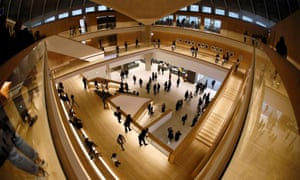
column 190, row 136
column 217, row 159
column 8, row 67
column 290, row 76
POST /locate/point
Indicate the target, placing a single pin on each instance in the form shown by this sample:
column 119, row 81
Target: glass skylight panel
column 233, row 14
column 220, row 12
column 247, row 19
column 50, row 19
column 90, row 9
column 194, row 8
column 206, row 9
column 102, row 8
column 63, row 15
column 260, row 24
column 76, row 12
column 183, row 9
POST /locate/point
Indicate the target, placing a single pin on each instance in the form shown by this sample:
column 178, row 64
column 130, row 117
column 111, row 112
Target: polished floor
column 269, row 147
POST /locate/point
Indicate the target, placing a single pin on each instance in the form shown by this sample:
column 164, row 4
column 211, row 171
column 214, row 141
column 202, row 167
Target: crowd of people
column 76, row 122
column 153, row 86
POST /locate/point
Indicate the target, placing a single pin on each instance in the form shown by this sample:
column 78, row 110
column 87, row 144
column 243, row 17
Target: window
column 36, row 24
column 247, row 19
column 183, row 9
column 76, row 12
column 206, row 9
column 194, row 8
column 194, row 20
column 181, row 18
column 90, row 9
column 220, row 12
column 260, row 24
column 63, row 15
column 50, row 19
column 217, row 24
column 207, row 22
column 167, row 18
column 102, row 8
column 233, row 14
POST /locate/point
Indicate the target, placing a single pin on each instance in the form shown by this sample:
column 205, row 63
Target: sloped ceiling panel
column 146, row 11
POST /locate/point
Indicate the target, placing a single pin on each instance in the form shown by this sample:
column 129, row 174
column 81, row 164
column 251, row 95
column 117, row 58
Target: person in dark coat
column 13, row 147
column 127, row 123
column 170, row 134
column 183, row 119
column 142, row 137
column 177, row 135
column 281, row 47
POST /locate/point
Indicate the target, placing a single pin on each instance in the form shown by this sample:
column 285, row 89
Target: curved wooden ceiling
column 146, row 12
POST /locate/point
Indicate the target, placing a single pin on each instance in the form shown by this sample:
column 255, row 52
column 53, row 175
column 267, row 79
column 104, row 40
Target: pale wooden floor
column 269, row 148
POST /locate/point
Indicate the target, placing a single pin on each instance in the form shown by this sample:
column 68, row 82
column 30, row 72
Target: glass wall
column 188, row 21
column 212, row 24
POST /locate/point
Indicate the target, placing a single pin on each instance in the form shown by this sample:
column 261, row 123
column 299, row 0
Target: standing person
column 173, row 45
column 127, row 123
column 186, row 95
column 118, row 114
column 115, row 159
column 158, row 43
column 141, row 82
column 158, row 87
column 195, row 120
column 193, row 50
column 163, row 107
column 237, row 64
column 13, row 147
column 177, row 135
column 73, row 102
column 134, row 79
column 126, row 45
column 184, row 118
column 121, row 140
column 213, row 84
column 170, row 134
column 85, row 83
column 142, row 137
column 178, row 81
column 136, row 43
column 117, row 50
column 281, row 48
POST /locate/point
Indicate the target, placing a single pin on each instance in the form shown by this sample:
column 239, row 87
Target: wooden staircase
column 214, row 122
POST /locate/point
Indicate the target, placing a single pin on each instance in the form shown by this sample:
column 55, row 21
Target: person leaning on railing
column 13, row 147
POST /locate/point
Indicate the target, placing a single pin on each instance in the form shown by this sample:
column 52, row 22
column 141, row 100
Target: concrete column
column 107, row 71
column 147, row 34
column 147, row 58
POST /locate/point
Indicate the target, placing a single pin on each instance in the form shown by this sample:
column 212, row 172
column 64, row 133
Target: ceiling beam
column 225, row 4
column 19, row 9
column 239, row 4
column 71, row 4
column 252, row 6
column 278, row 10
column 30, row 11
column 57, row 5
column 266, row 9
column 289, row 5
column 8, row 8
